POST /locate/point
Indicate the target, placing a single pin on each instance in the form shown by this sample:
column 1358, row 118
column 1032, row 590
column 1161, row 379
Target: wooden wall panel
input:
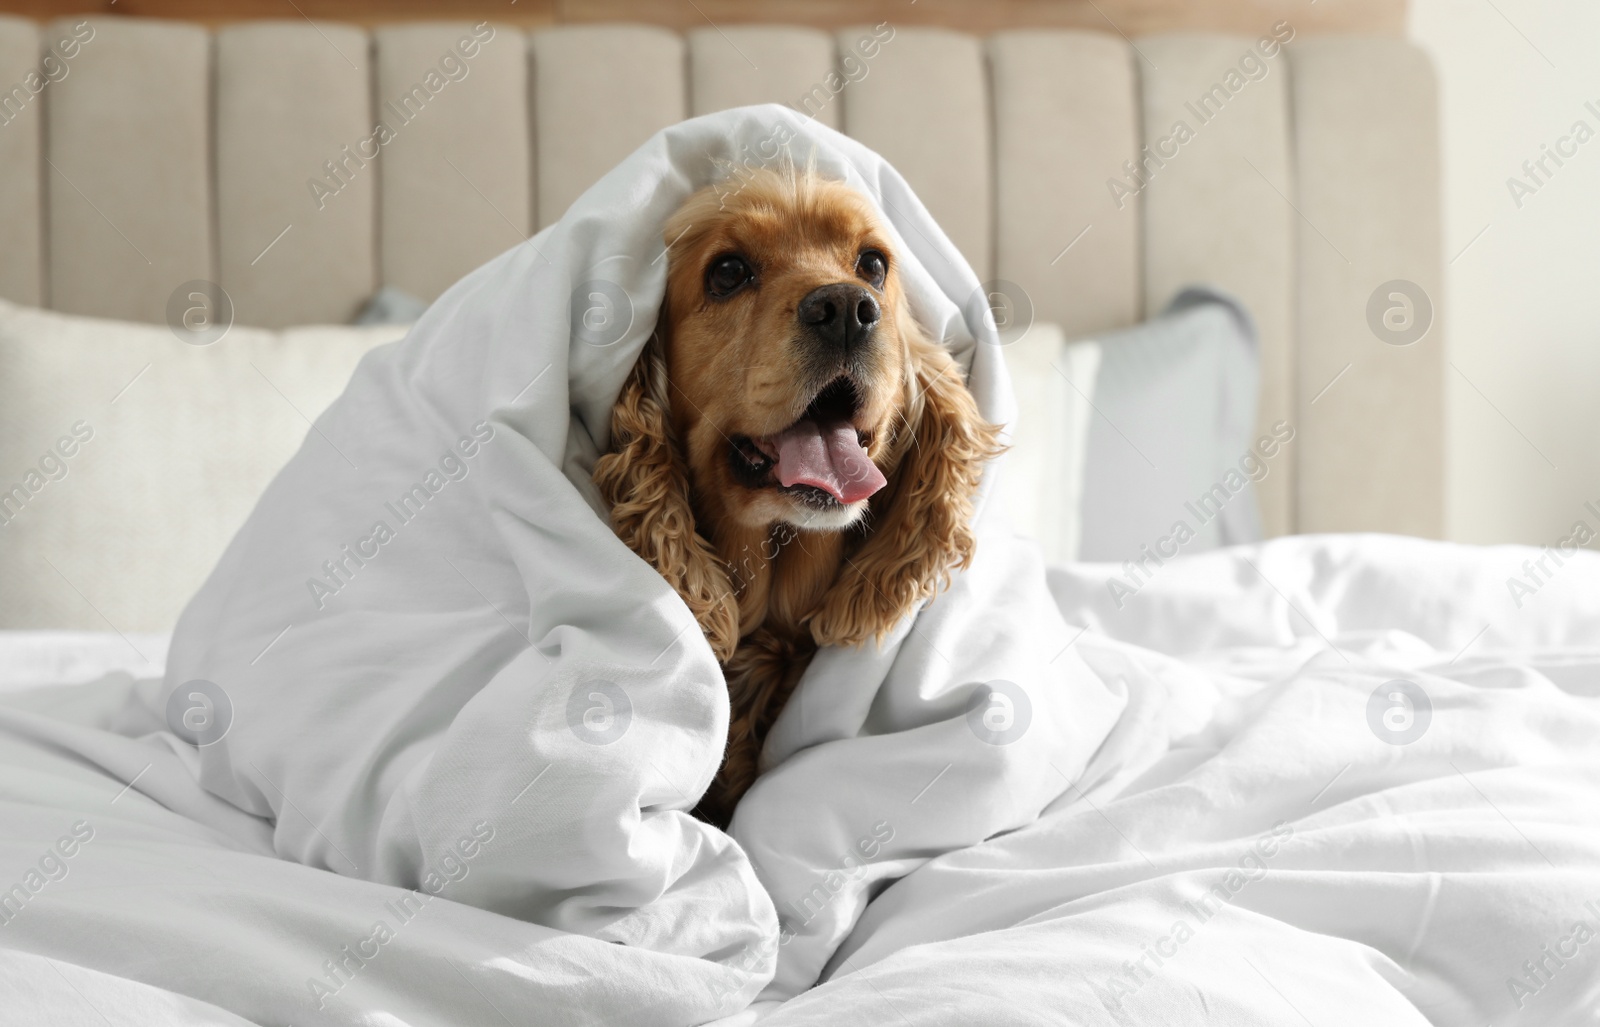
column 1130, row 17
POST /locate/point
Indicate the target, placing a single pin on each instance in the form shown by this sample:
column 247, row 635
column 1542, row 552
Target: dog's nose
column 841, row 315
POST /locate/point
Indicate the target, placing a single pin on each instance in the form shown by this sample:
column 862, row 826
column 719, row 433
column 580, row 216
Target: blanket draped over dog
column 1339, row 776
column 426, row 623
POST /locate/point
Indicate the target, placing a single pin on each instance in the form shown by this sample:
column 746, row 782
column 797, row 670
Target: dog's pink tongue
column 830, row 458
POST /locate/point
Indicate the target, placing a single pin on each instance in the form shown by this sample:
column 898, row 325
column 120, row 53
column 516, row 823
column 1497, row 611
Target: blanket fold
column 426, row 626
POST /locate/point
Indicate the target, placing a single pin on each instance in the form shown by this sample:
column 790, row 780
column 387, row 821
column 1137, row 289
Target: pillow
column 1170, row 457
column 390, row 306
column 129, row 458
column 1041, row 483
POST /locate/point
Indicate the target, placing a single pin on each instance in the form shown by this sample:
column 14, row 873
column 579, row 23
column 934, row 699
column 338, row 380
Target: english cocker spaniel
column 792, row 452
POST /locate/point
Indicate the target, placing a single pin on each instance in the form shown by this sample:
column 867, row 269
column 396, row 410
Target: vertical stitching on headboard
column 686, row 103
column 379, row 272
column 1291, row 348
column 46, row 281
column 844, row 93
column 213, row 178
column 531, row 94
column 992, row 144
column 1142, row 227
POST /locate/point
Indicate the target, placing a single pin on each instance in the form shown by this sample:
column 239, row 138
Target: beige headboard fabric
column 169, row 153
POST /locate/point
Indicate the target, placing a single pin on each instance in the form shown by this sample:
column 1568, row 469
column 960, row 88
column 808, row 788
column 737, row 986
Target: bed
column 1342, row 773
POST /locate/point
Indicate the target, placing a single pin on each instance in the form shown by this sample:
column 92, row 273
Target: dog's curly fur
column 766, row 583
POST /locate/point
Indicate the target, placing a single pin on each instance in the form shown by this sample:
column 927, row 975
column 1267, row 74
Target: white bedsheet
column 29, row 659
column 1244, row 849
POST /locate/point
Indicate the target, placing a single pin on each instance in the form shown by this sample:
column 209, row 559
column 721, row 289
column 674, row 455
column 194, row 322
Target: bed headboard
column 1302, row 182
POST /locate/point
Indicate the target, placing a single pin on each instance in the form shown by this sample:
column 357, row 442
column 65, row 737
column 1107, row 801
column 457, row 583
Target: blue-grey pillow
column 1171, row 456
column 390, row 306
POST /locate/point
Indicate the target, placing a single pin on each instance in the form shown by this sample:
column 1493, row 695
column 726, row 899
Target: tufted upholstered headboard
column 1053, row 158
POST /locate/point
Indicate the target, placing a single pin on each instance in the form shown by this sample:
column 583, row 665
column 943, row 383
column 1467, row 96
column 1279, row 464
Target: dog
column 792, row 451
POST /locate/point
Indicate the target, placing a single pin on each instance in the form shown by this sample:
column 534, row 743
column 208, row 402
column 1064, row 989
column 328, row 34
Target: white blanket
column 1246, row 847
column 1269, row 835
column 426, row 625
column 489, row 719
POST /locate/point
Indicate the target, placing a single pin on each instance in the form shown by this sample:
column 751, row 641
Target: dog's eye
column 873, row 267
column 727, row 275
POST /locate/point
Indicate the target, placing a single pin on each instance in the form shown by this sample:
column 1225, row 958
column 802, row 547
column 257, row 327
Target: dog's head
column 789, row 384
column 787, row 342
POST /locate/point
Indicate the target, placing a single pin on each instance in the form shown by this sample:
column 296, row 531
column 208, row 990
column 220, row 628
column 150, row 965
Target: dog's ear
column 644, row 477
column 921, row 525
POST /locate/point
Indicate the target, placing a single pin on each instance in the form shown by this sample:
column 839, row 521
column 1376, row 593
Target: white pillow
column 129, row 458
column 1042, row 483
column 1120, row 440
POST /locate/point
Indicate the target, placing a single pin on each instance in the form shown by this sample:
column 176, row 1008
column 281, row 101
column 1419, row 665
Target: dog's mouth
column 821, row 459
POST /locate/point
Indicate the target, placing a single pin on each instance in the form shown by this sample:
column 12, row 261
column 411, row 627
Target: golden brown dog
column 792, row 452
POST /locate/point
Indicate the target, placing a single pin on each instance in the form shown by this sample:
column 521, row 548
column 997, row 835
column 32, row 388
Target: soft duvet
column 1330, row 780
